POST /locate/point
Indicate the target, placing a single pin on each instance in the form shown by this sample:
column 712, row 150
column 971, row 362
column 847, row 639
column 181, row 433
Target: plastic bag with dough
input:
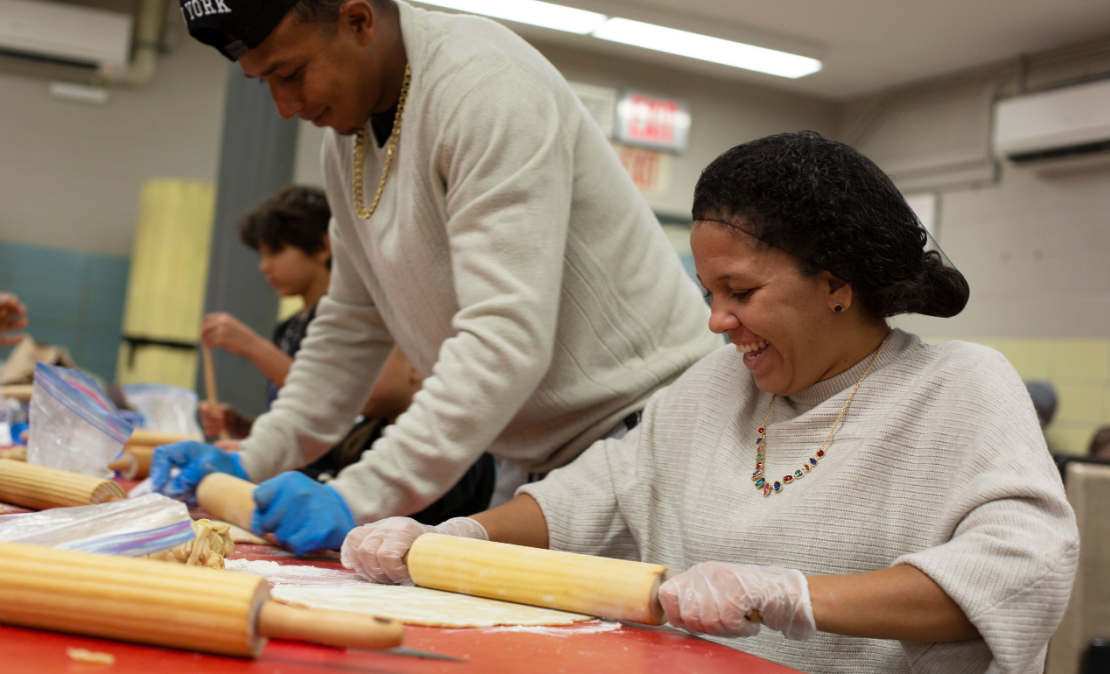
column 209, row 548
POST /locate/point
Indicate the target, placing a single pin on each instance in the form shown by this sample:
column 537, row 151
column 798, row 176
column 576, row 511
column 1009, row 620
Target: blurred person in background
column 1044, row 398
column 13, row 316
column 1100, row 444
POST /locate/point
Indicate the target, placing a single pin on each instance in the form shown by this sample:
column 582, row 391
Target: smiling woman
column 884, row 504
column 805, row 247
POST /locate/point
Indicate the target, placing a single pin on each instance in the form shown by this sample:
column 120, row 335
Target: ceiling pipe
column 149, row 22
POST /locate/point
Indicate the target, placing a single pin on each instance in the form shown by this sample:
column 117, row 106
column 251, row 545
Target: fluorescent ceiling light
column 532, row 12
column 705, row 48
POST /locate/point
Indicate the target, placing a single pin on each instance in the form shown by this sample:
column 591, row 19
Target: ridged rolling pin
column 599, row 586
column 39, row 487
column 227, row 498
column 167, row 605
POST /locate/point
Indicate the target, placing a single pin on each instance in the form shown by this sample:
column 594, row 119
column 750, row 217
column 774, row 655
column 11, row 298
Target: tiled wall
column 1080, row 371
column 73, row 299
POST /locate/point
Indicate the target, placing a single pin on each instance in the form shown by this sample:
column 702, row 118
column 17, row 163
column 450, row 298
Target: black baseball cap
column 234, row 26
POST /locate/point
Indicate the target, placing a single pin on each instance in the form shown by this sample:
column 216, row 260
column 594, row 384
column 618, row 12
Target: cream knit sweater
column 939, row 463
column 511, row 259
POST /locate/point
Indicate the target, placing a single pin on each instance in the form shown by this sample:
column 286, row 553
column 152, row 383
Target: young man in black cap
column 482, row 223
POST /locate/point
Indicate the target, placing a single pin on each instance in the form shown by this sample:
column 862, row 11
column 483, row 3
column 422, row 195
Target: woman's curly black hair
column 835, row 210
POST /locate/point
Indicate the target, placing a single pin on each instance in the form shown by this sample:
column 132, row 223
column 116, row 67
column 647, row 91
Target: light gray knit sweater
column 939, row 463
column 511, row 259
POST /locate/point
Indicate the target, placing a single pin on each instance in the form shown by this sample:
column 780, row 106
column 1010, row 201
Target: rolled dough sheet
column 420, row 606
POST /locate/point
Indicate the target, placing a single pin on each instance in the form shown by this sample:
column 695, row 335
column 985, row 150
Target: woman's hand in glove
column 377, row 551
column 717, row 598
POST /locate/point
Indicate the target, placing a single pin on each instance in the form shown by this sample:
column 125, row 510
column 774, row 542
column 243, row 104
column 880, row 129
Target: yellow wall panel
column 165, row 290
column 1081, row 359
column 289, row 306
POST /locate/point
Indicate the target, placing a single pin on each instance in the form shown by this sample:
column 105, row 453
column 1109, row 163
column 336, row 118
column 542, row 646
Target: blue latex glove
column 302, row 514
column 196, row 460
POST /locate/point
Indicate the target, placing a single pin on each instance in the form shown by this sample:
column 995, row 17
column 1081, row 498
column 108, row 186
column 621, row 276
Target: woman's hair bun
column 935, row 290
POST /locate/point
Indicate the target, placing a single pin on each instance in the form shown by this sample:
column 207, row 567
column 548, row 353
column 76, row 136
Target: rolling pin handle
column 341, row 629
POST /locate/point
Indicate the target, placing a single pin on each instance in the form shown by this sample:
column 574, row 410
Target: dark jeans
column 470, row 495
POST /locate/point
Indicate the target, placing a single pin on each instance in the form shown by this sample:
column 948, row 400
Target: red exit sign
column 650, row 122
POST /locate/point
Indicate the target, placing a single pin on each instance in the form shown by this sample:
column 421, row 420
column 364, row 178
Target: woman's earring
column 838, row 308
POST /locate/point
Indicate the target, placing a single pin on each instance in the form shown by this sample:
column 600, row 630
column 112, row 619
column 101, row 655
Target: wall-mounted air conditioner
column 1067, row 122
column 52, row 32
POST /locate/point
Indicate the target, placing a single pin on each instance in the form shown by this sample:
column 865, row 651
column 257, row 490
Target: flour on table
column 295, row 574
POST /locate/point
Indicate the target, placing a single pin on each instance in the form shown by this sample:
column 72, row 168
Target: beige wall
column 1033, row 241
column 1034, row 247
column 1036, row 252
column 71, row 173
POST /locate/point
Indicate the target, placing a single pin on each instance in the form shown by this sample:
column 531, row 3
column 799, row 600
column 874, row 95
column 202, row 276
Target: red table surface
column 578, row 649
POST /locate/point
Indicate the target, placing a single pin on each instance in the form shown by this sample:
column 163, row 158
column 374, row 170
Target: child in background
column 290, row 233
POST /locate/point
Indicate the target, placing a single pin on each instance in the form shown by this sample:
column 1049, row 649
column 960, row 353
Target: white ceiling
column 866, row 45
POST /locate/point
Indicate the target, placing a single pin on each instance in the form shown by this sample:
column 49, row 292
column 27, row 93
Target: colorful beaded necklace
column 769, row 488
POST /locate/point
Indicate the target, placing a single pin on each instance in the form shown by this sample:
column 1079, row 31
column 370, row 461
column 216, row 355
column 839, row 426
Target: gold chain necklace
column 769, row 488
column 360, row 153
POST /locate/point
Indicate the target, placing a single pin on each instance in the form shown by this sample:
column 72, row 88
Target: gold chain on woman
column 360, row 154
column 768, row 486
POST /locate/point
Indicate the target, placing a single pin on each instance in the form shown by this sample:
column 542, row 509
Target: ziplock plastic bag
column 84, row 384
column 72, row 428
column 132, row 528
column 165, row 408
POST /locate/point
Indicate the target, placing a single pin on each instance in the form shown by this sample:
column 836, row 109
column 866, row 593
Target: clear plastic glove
column 377, row 551
column 196, row 461
column 716, row 598
column 302, row 514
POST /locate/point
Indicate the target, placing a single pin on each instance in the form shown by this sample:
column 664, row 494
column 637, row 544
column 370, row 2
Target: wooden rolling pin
column 598, row 586
column 134, row 464
column 20, row 392
column 210, row 387
column 141, row 437
column 227, row 498
column 167, row 605
column 40, row 487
